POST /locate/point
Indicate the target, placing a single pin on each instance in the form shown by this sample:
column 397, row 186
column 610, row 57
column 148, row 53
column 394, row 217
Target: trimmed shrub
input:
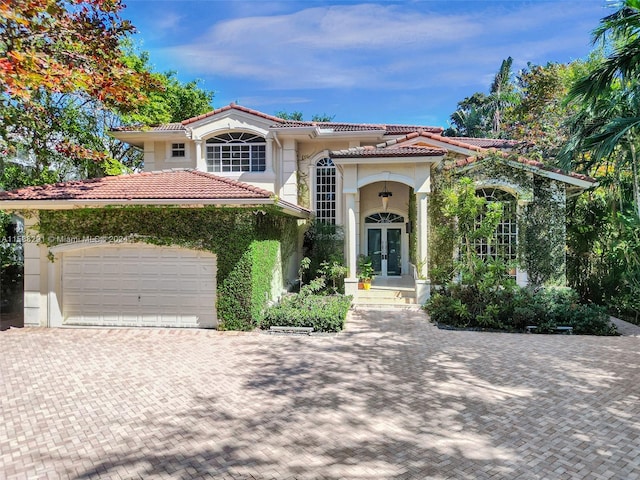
column 325, row 313
column 513, row 309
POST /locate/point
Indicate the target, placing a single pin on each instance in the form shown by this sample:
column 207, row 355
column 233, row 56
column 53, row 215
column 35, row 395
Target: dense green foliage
column 325, row 313
column 245, row 242
column 459, row 218
column 479, row 292
column 252, row 273
column 322, row 242
column 62, row 135
column 10, row 267
column 298, row 116
column 604, row 228
column 604, row 253
column 543, row 235
column 582, row 116
column 512, row 308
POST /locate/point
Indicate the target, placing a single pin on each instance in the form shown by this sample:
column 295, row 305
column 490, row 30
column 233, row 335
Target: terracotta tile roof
column 234, row 106
column 165, row 127
column 474, row 144
column 378, row 151
column 281, row 123
column 168, row 184
column 432, row 136
column 359, row 127
column 404, row 129
column 522, row 160
column 487, row 142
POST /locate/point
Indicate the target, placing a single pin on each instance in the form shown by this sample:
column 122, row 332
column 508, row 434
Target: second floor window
column 326, row 191
column 236, row 152
column 177, row 150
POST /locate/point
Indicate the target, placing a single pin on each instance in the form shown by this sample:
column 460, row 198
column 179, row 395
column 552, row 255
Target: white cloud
column 382, row 46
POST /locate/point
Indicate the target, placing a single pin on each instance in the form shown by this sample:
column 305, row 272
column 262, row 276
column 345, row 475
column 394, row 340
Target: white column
column 201, row 164
column 351, row 282
column 423, row 284
column 35, row 298
column 269, row 156
column 422, row 229
column 149, row 156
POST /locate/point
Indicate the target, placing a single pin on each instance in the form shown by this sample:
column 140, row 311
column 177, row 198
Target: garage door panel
column 139, row 284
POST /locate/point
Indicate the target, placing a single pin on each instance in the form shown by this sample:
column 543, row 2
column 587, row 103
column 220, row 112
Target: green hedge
column 245, row 242
column 325, row 313
column 244, row 294
column 514, row 308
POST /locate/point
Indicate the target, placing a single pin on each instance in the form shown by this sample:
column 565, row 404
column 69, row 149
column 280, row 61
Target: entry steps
column 386, row 297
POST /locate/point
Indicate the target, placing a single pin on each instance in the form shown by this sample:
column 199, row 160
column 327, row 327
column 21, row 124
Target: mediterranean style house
column 374, row 180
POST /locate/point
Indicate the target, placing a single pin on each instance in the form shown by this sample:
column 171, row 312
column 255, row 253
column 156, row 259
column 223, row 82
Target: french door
column 384, row 247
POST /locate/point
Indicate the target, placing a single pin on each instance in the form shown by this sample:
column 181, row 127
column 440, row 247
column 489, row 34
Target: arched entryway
column 382, row 227
column 385, row 244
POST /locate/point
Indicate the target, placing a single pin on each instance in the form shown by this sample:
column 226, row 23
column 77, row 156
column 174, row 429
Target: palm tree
column 608, row 123
column 502, row 95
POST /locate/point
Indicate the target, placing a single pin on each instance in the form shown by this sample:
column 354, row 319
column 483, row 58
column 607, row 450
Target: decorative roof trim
column 234, row 106
column 577, row 179
column 383, row 151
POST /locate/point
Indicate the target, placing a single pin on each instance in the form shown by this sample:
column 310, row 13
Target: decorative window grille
column 384, row 217
column 326, row 191
column 177, row 150
column 236, row 152
column 505, row 239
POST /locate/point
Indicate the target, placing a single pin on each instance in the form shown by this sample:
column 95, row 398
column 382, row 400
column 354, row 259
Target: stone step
column 386, row 293
column 385, row 306
column 385, row 297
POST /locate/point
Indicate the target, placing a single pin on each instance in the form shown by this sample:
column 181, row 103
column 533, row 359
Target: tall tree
column 470, row 120
column 604, row 141
column 481, row 115
column 299, row 117
column 501, row 96
column 608, row 123
column 58, row 60
column 65, row 134
column 539, row 119
column 66, row 46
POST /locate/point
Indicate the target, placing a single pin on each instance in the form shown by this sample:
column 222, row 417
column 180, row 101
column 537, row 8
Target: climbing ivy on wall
column 441, row 232
column 541, row 221
column 244, row 241
column 543, row 234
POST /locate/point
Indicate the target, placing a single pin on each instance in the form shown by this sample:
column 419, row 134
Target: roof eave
column 376, row 159
column 68, row 204
column 581, row 184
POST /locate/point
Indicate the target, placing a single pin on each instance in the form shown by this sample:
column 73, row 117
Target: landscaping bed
column 516, row 309
column 325, row 313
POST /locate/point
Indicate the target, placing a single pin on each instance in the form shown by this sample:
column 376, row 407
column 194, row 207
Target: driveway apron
column 391, row 397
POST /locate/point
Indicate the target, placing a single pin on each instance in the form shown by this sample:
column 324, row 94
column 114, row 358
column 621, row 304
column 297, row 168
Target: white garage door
column 139, row 285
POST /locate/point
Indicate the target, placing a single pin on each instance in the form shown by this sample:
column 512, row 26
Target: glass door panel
column 393, row 253
column 374, row 248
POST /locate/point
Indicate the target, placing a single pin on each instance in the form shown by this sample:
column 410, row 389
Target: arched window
column 326, row 191
column 384, row 217
column 236, row 152
column 505, row 239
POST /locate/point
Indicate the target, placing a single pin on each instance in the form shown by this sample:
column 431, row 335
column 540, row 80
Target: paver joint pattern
column 392, row 397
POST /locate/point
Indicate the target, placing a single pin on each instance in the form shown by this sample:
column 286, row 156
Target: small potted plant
column 365, row 272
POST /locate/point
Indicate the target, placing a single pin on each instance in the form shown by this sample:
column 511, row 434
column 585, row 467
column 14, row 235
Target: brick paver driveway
column 392, row 397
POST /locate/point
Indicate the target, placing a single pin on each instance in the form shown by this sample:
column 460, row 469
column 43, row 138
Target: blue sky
column 379, row 62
